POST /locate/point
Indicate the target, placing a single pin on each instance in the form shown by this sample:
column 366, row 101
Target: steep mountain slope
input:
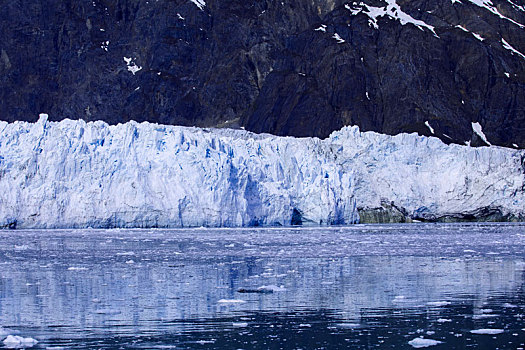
column 290, row 67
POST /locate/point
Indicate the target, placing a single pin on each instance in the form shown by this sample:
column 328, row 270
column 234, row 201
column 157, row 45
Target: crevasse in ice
column 78, row 174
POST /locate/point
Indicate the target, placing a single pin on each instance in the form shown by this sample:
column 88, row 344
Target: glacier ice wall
column 78, row 174
column 428, row 178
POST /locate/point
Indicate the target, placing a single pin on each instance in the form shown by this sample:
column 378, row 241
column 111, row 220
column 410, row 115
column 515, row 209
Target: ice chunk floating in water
column 487, row 331
column 423, row 343
column 333, row 287
column 231, row 301
column 78, row 174
column 17, row 342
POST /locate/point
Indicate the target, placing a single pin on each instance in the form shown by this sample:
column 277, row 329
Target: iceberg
column 73, row 174
column 423, row 343
column 490, row 331
column 17, row 342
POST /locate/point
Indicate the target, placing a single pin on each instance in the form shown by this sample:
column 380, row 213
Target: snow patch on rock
column 132, row 66
column 392, row 10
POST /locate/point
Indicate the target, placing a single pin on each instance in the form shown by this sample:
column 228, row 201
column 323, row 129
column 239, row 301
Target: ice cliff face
column 81, row 174
column 78, row 174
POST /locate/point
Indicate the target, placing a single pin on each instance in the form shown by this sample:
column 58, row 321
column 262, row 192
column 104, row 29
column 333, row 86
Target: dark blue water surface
column 359, row 287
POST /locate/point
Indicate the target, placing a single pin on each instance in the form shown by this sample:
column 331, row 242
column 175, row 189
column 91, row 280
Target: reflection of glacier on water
column 159, row 285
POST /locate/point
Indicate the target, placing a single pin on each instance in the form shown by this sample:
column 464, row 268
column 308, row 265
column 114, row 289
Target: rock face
column 291, row 67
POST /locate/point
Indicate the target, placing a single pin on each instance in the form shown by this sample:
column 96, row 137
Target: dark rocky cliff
column 290, row 67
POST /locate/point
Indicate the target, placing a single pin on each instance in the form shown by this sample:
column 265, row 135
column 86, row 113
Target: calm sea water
column 455, row 286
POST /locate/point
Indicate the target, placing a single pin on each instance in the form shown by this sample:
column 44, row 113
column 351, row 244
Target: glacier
column 77, row 174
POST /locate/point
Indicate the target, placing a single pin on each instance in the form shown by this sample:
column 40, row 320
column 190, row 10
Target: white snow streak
column 199, row 3
column 521, row 8
column 509, row 47
column 429, row 127
column 489, row 6
column 477, row 36
column 338, row 38
column 478, row 130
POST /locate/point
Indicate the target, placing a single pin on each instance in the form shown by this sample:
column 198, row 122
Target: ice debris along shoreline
column 73, row 174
